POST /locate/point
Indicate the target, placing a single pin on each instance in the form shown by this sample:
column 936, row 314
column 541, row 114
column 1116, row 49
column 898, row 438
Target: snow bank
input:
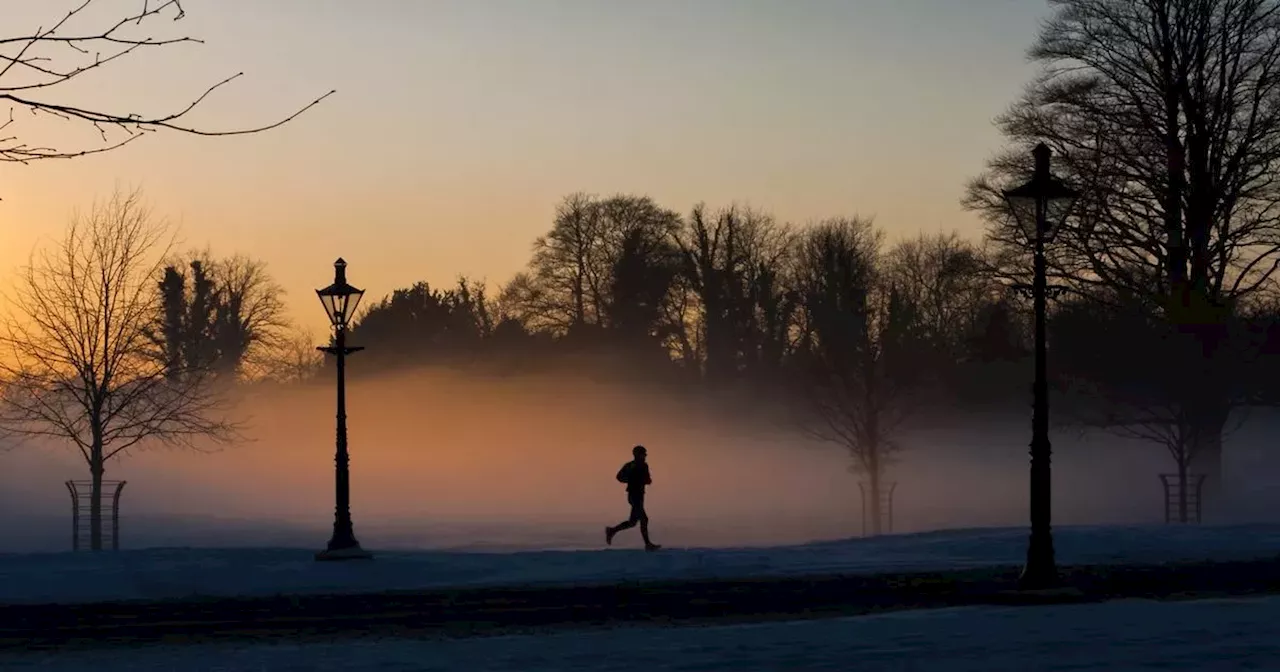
column 191, row 572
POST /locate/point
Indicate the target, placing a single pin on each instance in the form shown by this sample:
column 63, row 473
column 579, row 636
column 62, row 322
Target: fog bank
column 446, row 460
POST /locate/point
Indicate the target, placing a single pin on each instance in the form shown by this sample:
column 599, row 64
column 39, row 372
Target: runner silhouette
column 636, row 475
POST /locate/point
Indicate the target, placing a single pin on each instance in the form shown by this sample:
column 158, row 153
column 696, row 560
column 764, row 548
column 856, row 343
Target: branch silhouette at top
column 29, row 74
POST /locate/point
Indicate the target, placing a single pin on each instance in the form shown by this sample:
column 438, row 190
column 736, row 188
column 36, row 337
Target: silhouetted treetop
column 418, row 325
column 225, row 316
column 1167, row 114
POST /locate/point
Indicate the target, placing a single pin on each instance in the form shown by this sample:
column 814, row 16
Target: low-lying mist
column 444, row 459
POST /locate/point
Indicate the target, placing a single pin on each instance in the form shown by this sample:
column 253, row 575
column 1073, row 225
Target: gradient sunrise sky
column 458, row 124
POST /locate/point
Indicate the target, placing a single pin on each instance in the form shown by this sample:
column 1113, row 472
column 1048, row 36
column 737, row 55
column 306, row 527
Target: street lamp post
column 1040, row 206
column 340, row 301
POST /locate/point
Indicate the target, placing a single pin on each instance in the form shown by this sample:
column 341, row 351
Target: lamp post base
column 1040, row 573
column 349, row 553
column 1036, row 580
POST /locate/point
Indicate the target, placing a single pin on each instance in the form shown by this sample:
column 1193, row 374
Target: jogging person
column 636, row 475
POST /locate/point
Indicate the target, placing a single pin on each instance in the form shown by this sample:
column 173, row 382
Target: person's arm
column 648, row 480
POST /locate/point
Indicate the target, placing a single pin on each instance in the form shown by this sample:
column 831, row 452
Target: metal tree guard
column 1182, row 506
column 82, row 504
column 886, row 508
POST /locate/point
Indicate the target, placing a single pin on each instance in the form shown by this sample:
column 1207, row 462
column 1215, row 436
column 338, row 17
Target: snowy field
column 188, row 572
column 1131, row 635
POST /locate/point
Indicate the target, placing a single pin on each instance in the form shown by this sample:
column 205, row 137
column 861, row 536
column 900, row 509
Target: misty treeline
column 1165, row 114
column 730, row 305
column 843, row 334
column 729, row 299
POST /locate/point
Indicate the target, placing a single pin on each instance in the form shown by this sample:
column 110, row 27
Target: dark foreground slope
column 491, row 610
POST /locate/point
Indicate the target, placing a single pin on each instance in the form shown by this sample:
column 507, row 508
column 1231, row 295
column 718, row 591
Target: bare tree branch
column 34, row 65
column 291, row 358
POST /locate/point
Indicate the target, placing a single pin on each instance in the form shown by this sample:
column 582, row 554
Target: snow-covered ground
column 176, row 573
column 1131, row 635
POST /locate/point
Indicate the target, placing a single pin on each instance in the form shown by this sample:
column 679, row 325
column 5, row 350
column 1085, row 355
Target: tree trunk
column 718, row 329
column 579, row 294
column 1206, row 459
column 1182, row 491
column 97, row 465
column 873, row 506
column 1207, row 410
column 95, row 503
column 874, row 483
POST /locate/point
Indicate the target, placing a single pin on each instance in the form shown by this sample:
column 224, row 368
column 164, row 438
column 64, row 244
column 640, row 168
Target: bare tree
column 572, row 282
column 291, row 358
column 81, row 366
column 567, row 282
column 524, row 300
column 250, row 318
column 944, row 277
column 685, row 335
column 730, row 262
column 1167, row 112
column 1112, row 363
column 35, row 69
column 226, row 314
column 855, row 333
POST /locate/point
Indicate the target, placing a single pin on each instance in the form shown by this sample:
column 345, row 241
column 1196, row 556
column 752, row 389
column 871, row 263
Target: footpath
column 481, row 611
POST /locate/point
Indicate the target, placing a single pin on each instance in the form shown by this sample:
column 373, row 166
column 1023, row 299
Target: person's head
column 639, row 452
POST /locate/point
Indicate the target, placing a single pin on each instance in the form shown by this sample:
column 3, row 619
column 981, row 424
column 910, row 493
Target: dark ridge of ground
column 483, row 611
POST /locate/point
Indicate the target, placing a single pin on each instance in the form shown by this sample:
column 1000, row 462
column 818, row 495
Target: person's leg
column 644, row 530
column 609, row 532
column 638, row 513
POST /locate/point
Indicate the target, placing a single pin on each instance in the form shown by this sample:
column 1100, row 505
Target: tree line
column 728, row 297
column 852, row 335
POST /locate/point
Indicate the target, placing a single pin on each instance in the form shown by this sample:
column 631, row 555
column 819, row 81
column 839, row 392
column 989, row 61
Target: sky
column 458, row 124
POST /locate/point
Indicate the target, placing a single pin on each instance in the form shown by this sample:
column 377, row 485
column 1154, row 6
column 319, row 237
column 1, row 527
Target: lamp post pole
column 1041, row 570
column 343, row 532
column 343, row 544
column 1041, row 207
